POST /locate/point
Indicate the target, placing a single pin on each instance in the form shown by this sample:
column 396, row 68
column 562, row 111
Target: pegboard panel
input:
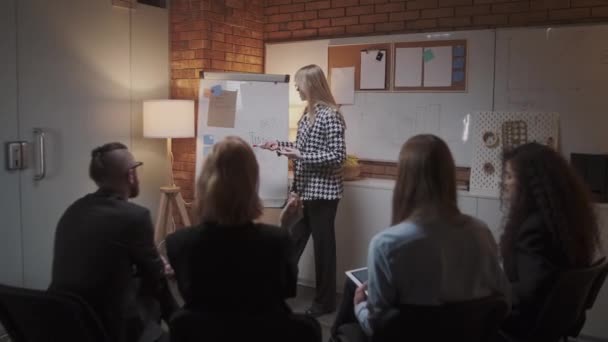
column 495, row 131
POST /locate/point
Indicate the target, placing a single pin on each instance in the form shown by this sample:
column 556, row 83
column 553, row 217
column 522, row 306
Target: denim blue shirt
column 430, row 263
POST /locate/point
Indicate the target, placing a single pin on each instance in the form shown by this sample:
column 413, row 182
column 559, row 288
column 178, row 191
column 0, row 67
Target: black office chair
column 471, row 321
column 562, row 314
column 188, row 326
column 40, row 316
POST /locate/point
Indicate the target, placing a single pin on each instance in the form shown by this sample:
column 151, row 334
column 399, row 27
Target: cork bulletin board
column 350, row 56
column 455, row 77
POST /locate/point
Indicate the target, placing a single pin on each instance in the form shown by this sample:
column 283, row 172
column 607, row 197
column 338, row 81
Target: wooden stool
column 169, row 196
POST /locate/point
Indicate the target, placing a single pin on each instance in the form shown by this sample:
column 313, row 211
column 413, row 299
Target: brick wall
column 214, row 35
column 305, row 19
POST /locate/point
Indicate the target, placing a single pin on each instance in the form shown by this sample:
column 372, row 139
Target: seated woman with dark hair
column 432, row 254
column 550, row 227
column 227, row 266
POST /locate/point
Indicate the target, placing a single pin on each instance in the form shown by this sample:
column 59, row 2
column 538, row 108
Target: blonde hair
column 227, row 191
column 426, row 179
column 312, row 82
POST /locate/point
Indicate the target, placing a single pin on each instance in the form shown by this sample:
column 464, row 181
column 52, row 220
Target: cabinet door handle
column 41, row 173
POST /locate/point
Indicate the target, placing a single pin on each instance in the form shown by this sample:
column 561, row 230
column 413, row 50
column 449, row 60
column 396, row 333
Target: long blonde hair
column 426, row 179
column 312, row 82
column 227, row 191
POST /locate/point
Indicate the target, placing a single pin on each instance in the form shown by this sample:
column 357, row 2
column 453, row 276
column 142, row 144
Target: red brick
column 252, row 25
column 490, row 20
column 390, row 27
column 271, row 10
column 421, row 4
column 179, row 55
column 216, row 36
column 213, row 16
column 205, row 5
column 359, row 10
column 521, row 19
column 332, row 31
column 271, row 27
column 292, row 25
column 548, row 4
column 184, row 73
column 221, row 28
column 511, row 7
column 210, row 54
column 454, row 22
column 179, row 45
column 307, row 33
column 291, row 8
column 360, row 29
column 240, row 58
column 401, row 16
column 570, row 14
column 218, row 7
column 390, row 7
column 588, row 3
column 472, row 10
column 235, row 4
column 331, row 13
column 277, row 2
column 305, row 15
column 219, row 46
column 257, row 35
column 279, row 18
column 318, row 23
column 453, row 3
column 373, row 18
column 422, row 24
column 600, row 12
column 370, row 2
column 281, row 35
column 247, row 50
column 191, row 26
column 243, row 32
column 437, row 13
column 318, row 5
column 345, row 21
column 344, row 3
column 192, row 35
column 198, row 44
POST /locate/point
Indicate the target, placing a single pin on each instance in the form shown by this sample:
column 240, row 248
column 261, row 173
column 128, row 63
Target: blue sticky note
column 216, row 90
column 207, row 150
column 458, row 51
column 458, row 63
column 208, row 139
column 457, row 76
column 428, row 55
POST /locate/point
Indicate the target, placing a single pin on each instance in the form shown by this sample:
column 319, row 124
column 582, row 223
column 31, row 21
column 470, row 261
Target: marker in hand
column 277, row 151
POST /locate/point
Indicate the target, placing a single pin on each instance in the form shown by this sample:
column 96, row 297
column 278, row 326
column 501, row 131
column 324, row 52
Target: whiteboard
column 380, row 122
column 558, row 69
column 261, row 114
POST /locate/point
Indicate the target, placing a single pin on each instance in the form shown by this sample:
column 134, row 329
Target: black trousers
column 318, row 220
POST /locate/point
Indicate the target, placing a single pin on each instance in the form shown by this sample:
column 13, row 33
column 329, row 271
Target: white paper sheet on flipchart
column 438, row 69
column 343, row 85
column 408, row 67
column 373, row 71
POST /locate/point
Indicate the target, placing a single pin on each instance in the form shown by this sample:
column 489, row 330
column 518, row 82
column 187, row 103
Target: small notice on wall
column 343, row 85
column 373, row 69
column 438, row 66
column 222, row 108
column 408, row 67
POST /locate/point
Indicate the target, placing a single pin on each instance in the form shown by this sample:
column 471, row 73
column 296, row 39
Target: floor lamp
column 169, row 119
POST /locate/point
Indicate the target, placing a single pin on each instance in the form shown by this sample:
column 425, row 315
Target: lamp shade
column 169, row 119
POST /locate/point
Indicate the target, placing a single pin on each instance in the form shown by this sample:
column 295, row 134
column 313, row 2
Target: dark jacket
column 244, row 269
column 105, row 253
column 531, row 266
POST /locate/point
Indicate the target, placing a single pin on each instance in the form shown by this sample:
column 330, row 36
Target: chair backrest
column 573, row 292
column 188, row 326
column 40, row 316
column 471, row 321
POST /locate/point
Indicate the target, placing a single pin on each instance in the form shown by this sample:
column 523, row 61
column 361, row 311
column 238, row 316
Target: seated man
column 105, row 253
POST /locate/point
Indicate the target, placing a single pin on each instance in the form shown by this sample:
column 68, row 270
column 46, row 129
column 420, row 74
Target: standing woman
column 318, row 155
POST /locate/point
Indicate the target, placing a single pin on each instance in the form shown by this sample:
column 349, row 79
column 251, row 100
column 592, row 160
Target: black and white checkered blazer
column 318, row 174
